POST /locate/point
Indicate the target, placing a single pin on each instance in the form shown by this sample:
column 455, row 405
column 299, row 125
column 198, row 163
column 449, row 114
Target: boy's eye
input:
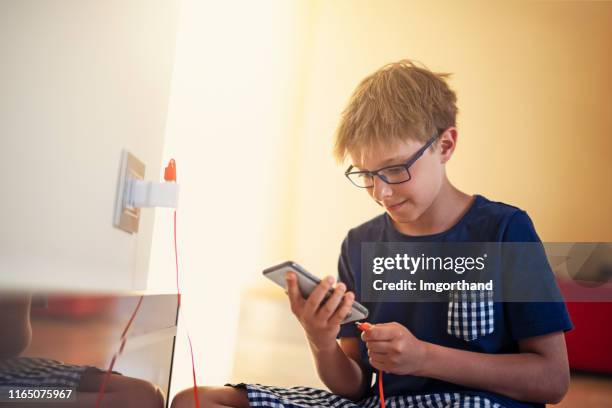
column 394, row 171
column 364, row 176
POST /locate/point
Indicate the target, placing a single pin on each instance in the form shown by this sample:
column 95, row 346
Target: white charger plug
column 140, row 193
column 134, row 193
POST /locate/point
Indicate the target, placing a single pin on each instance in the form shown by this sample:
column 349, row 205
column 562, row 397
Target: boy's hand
column 320, row 322
column 394, row 349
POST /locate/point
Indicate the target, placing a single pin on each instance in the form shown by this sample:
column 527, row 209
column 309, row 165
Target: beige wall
column 533, row 82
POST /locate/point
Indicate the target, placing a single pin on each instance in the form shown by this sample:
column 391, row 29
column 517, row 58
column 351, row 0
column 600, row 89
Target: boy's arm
column 15, row 329
column 539, row 373
column 339, row 369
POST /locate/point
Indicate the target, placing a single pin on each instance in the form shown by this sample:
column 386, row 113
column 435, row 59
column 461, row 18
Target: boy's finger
column 344, row 309
column 377, row 354
column 378, row 363
column 295, row 297
column 378, row 333
column 379, row 347
column 331, row 304
column 318, row 294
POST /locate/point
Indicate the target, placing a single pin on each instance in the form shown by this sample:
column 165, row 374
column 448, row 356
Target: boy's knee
column 123, row 391
column 227, row 396
column 186, row 399
column 148, row 395
column 160, row 398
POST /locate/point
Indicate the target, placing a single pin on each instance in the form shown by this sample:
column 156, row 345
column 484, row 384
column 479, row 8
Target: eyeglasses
column 396, row 174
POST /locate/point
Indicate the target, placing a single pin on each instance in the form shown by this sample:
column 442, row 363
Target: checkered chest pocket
column 470, row 314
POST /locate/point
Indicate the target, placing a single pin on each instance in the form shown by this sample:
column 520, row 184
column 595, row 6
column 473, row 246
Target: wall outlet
column 125, row 217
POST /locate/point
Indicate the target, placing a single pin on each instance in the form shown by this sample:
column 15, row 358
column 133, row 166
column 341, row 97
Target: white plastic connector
column 140, row 193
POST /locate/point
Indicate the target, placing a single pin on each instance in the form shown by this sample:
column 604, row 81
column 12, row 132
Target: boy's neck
column 445, row 211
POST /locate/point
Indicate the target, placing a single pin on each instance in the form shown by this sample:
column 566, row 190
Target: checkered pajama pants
column 305, row 397
column 39, row 372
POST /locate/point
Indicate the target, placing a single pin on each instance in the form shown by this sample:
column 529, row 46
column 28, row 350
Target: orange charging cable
column 364, row 326
column 170, row 176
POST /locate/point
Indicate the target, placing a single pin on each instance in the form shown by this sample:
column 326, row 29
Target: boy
column 399, row 131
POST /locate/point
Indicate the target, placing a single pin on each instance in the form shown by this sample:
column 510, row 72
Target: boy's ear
column 447, row 144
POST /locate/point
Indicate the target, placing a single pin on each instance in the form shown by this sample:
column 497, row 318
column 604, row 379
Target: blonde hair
column 399, row 102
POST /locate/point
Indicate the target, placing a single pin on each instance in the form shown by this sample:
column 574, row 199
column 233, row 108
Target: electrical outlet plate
column 127, row 218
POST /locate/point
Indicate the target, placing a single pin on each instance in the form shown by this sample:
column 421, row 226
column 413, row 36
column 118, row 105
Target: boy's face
column 404, row 202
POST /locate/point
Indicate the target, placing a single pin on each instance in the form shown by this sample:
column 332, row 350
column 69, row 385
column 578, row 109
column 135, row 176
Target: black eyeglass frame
column 417, row 155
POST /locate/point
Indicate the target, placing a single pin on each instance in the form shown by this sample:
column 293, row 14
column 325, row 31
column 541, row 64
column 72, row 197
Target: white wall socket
column 125, row 217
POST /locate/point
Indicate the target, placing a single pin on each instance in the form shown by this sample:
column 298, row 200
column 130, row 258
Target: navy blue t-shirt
column 484, row 221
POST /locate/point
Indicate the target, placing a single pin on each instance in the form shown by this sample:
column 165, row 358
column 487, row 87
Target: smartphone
column 306, row 283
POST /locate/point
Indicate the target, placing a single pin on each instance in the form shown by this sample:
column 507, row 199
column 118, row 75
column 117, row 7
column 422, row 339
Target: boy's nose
column 381, row 190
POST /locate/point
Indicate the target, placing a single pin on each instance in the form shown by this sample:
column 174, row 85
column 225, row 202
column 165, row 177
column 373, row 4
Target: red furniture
column 589, row 345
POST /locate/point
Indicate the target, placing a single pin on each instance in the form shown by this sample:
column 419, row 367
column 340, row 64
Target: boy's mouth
column 395, row 207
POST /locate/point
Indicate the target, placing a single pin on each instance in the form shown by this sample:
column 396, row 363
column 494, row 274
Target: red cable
column 178, row 290
column 170, row 176
column 112, row 364
column 381, row 394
